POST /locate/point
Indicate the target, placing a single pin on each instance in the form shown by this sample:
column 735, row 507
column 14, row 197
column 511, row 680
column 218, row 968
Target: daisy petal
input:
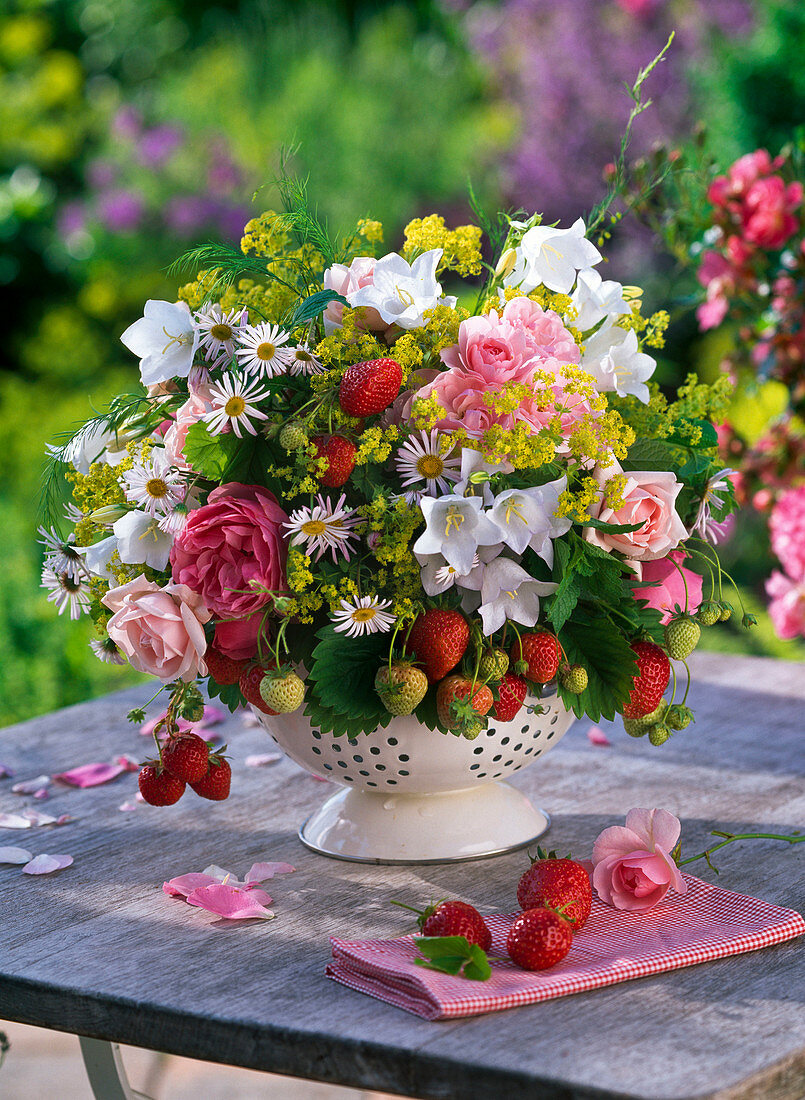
column 46, row 865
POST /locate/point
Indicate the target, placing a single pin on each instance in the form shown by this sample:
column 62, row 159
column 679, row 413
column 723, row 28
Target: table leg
column 106, row 1072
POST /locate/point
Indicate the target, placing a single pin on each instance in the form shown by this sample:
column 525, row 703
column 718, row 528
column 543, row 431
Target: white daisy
column 704, row 524
column 367, row 615
column 218, row 331
column 233, row 403
column 72, row 513
column 173, row 522
column 423, row 459
column 324, row 526
column 106, row 650
column 66, row 592
column 305, row 362
column 155, row 485
column 262, row 349
column 62, row 555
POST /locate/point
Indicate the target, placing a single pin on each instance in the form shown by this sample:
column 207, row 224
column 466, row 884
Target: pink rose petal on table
column 91, row 775
column 15, row 855
column 31, row 786
column 38, row 817
column 46, row 865
column 262, row 759
column 42, row 794
column 597, row 736
column 259, row 872
column 230, row 903
column 183, row 885
column 127, row 807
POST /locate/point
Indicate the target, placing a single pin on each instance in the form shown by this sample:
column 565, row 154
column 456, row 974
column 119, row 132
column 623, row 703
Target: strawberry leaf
column 453, row 955
column 229, row 694
column 343, row 672
column 592, row 640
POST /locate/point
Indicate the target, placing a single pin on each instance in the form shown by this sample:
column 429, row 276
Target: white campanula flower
column 552, row 257
column 595, row 299
column 263, row 350
column 154, row 484
column 234, row 405
column 509, row 592
column 141, row 540
column 527, row 518
column 323, row 526
column 165, row 339
column 437, row 576
column 423, row 458
column 455, row 528
column 613, row 358
column 365, row 615
column 401, row 292
column 475, row 474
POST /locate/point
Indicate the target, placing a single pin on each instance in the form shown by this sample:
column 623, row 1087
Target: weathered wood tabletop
column 99, row 950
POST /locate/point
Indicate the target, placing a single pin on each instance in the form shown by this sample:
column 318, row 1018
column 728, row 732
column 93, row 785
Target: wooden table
column 99, row 950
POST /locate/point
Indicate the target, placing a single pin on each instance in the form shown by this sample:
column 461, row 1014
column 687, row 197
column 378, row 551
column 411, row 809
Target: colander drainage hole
column 374, row 750
column 524, row 729
column 316, row 749
column 478, row 750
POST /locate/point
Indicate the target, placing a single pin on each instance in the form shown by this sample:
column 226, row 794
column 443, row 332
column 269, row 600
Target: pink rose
column 187, row 415
column 648, row 499
column 632, row 864
column 545, row 333
column 232, row 542
column 668, row 587
column 160, row 630
column 347, row 281
column 787, row 606
column 768, row 214
column 491, row 349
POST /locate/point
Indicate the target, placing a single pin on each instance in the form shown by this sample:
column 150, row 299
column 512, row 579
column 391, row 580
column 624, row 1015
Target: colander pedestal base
column 446, row 827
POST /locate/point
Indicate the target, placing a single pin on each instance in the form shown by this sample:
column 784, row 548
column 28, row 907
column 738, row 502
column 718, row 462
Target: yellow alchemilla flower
column 461, row 246
column 371, row 231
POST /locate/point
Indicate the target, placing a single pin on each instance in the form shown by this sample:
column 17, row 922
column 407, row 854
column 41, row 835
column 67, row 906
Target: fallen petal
column 127, row 807
column 262, row 759
column 15, row 855
column 213, row 716
column 30, row 786
column 90, row 775
column 6, row 772
column 14, row 821
column 38, row 817
column 127, row 763
column 220, row 874
column 250, row 721
column 597, row 736
column 183, row 885
column 229, row 902
column 42, row 794
column 259, row 872
column 46, row 865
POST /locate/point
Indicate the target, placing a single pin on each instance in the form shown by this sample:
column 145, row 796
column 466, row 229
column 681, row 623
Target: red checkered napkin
column 614, row 945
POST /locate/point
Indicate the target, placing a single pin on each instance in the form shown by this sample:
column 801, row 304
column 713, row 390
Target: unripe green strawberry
column 494, row 664
column 401, row 688
column 708, row 613
column 681, row 637
column 293, row 437
column 678, row 716
column 726, row 612
column 284, row 692
column 574, row 678
column 659, row 734
column 637, row 727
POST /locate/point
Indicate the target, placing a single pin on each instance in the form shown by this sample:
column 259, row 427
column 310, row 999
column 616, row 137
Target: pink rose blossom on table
column 347, row 281
column 648, row 499
column 787, row 605
column 160, row 630
column 667, row 589
column 787, row 531
column 632, row 863
column 232, row 549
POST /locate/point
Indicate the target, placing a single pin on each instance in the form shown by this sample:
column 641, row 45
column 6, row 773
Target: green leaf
column 225, row 458
column 314, row 305
column 617, row 528
column 229, row 694
column 344, row 671
column 426, row 711
column 589, row 638
column 453, row 955
column 655, row 454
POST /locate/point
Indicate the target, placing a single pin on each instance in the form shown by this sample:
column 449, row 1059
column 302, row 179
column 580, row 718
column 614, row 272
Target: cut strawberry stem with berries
column 453, row 955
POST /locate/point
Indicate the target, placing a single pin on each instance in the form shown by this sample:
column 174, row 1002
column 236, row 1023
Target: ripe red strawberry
column 158, row 787
column 439, row 640
column 461, row 709
column 249, row 684
column 223, row 669
column 538, row 939
column 455, row 918
column 370, row 387
column 511, row 693
column 654, row 672
column 215, row 784
column 555, row 884
column 541, row 653
column 341, row 455
column 186, row 757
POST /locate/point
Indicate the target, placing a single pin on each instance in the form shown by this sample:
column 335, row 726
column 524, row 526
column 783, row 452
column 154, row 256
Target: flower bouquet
column 416, row 531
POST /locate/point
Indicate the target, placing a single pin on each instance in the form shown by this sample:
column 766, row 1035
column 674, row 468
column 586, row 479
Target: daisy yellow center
column 429, row 466
column 266, row 351
column 303, row 356
column 314, row 527
column 235, row 406
column 221, row 332
column 156, row 487
column 364, row 614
